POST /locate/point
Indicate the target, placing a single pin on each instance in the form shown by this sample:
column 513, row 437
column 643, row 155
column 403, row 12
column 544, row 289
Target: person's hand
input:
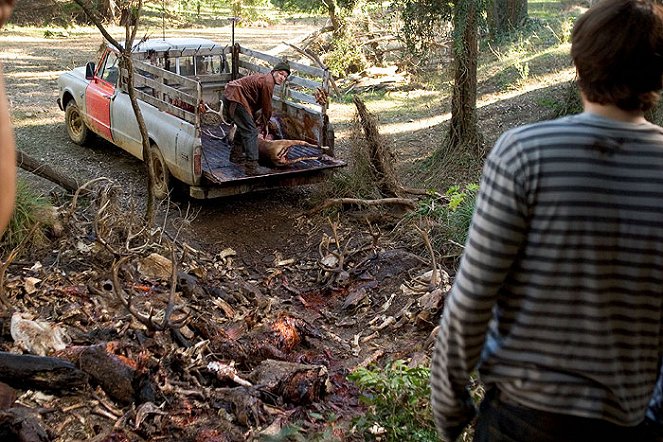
column 6, row 8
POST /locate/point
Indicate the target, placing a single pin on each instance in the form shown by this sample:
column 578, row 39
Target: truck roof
column 175, row 43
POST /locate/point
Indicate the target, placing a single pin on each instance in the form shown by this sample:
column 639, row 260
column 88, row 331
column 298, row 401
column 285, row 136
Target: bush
column 570, row 104
column 345, row 57
column 449, row 218
column 28, row 210
column 459, row 211
column 398, row 400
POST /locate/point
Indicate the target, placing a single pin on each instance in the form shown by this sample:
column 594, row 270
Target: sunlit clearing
column 412, row 126
column 48, row 75
column 541, row 81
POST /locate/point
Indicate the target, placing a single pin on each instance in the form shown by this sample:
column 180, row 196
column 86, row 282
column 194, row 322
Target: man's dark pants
column 503, row 420
column 247, row 132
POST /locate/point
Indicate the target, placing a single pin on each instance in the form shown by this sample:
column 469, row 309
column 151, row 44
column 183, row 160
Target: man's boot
column 251, row 167
column 237, row 155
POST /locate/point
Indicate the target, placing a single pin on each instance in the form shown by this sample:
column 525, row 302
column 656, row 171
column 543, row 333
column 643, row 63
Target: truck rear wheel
column 162, row 178
column 76, row 128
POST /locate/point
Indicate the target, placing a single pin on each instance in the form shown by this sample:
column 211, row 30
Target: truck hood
column 78, row 72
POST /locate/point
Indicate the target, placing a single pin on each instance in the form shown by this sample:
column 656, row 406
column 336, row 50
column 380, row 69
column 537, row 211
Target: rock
column 156, row 266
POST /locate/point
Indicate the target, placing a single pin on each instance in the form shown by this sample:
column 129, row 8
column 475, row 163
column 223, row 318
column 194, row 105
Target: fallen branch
column 84, row 191
column 26, row 162
column 435, row 277
column 426, row 192
column 314, row 57
column 306, row 40
column 40, row 372
column 361, row 202
column 148, row 321
column 311, row 37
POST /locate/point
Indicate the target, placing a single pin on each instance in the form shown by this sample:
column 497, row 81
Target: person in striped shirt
column 558, row 300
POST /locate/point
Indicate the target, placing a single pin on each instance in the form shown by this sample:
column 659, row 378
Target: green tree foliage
column 312, row 5
column 247, row 9
column 422, row 22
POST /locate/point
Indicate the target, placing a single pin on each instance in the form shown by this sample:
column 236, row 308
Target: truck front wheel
column 76, row 128
column 162, row 178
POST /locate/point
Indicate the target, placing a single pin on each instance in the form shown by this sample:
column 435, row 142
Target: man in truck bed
column 242, row 99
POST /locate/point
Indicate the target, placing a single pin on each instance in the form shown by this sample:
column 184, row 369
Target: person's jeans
column 247, row 132
column 501, row 421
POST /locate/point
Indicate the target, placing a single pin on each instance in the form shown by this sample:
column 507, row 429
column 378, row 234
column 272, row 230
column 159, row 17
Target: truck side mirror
column 89, row 70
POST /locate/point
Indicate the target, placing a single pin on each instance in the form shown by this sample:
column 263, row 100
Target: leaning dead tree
column 379, row 168
column 382, row 159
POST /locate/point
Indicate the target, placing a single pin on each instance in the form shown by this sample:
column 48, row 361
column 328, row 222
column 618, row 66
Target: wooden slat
column 304, row 82
column 313, row 110
column 166, row 75
column 295, row 94
column 222, row 78
column 160, row 88
column 299, row 96
column 167, row 107
column 254, row 67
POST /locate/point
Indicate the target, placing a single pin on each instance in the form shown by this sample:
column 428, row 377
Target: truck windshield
column 109, row 71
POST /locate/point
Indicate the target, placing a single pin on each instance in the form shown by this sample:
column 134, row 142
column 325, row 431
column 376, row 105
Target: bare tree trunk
column 463, row 130
column 336, row 22
column 505, row 15
column 130, row 19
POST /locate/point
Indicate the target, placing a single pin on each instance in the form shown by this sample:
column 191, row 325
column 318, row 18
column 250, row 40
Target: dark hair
column 617, row 49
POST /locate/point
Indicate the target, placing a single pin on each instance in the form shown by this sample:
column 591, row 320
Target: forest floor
column 261, row 279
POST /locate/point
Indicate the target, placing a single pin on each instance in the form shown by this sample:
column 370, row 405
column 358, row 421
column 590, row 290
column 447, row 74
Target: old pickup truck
column 179, row 83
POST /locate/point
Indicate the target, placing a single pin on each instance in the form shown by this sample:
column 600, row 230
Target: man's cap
column 282, row 66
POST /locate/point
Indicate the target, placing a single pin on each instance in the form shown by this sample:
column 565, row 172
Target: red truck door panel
column 99, row 94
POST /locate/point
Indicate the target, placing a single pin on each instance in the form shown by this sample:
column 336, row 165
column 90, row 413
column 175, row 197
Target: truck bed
column 229, row 178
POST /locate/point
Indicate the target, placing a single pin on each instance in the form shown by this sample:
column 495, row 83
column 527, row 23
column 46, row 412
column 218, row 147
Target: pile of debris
column 128, row 333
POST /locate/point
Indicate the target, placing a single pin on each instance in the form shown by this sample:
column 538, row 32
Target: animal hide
column 276, row 151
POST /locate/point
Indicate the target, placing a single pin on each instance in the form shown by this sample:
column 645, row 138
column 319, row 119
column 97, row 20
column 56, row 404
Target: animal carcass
column 276, row 151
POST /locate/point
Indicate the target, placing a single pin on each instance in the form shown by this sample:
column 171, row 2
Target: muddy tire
column 76, row 129
column 162, row 178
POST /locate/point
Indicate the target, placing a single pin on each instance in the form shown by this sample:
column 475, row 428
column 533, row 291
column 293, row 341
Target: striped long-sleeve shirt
column 559, row 295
